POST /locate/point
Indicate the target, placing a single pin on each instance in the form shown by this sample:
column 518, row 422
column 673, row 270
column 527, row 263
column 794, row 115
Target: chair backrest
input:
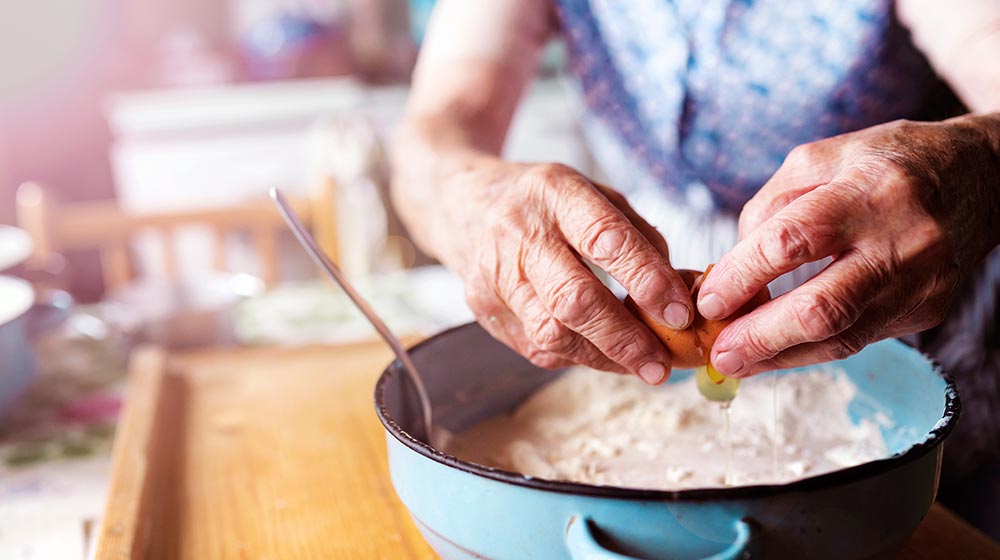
column 56, row 228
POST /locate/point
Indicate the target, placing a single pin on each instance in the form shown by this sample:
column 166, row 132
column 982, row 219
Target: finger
column 806, row 167
column 647, row 229
column 547, row 336
column 577, row 300
column 874, row 325
column 822, row 308
column 497, row 319
column 814, row 226
column 502, row 324
column 601, row 234
column 900, row 308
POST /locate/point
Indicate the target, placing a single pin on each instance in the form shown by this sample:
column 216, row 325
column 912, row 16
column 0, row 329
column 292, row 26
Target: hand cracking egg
column 692, row 347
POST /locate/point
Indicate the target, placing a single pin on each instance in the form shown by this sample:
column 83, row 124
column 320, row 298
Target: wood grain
column 125, row 519
column 277, row 453
column 256, row 454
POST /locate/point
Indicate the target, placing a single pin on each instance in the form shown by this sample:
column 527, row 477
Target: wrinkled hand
column 904, row 209
column 520, row 236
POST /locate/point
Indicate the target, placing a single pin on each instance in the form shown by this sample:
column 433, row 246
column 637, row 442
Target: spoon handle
column 334, row 273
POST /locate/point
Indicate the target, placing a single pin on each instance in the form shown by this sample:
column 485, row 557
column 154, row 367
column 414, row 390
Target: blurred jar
column 182, row 314
column 345, row 150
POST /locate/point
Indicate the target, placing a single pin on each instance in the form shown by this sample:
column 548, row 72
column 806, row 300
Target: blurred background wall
column 180, row 104
column 59, row 60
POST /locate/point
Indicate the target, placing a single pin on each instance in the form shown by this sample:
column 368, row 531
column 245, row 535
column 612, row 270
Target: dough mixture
column 606, row 429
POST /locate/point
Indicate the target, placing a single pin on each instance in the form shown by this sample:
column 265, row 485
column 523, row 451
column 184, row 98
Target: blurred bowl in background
column 186, row 313
column 22, row 317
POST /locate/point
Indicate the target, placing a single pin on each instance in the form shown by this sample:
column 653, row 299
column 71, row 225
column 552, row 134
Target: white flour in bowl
column 606, row 429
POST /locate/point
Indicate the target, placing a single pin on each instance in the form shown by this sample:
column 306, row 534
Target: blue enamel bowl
column 467, row 511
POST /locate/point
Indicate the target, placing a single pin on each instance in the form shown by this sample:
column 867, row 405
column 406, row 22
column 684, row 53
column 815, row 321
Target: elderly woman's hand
column 521, row 235
column 904, row 209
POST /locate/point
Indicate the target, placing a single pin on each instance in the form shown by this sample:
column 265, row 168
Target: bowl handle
column 581, row 544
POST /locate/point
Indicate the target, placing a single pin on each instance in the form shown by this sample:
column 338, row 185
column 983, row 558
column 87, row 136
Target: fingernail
column 652, row 373
column 728, row 363
column 711, row 306
column 677, row 315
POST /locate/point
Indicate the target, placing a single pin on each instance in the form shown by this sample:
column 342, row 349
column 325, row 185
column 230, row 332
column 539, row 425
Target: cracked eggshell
column 692, row 346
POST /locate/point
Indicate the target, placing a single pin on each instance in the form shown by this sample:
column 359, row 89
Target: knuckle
column 627, row 349
column 487, row 266
column 646, row 283
column 480, row 296
column 905, row 126
column 553, row 337
column 575, row 302
column 614, row 197
column 477, row 302
column 509, row 220
column 607, row 239
column 845, row 345
column 803, row 154
column 930, row 241
column 546, row 174
column 501, row 212
column 894, row 174
column 751, row 212
column 879, row 267
column 821, row 316
column 759, row 347
column 506, row 227
column 545, row 360
column 499, row 222
column 786, row 244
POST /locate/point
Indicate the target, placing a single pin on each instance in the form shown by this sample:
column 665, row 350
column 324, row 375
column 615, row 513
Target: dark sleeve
column 967, row 345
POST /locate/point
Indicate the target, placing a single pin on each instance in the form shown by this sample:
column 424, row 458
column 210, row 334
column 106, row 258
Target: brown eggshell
column 691, row 347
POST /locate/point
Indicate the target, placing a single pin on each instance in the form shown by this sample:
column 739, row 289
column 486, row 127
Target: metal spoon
column 319, row 257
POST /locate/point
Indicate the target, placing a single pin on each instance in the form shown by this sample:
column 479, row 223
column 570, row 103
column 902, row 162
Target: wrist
column 985, row 128
column 431, row 163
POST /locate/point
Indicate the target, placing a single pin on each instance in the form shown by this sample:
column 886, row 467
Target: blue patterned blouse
column 706, row 97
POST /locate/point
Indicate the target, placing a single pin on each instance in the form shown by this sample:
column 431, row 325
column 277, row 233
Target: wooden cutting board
column 276, row 453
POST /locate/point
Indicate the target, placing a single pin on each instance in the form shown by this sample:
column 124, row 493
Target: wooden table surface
column 277, row 453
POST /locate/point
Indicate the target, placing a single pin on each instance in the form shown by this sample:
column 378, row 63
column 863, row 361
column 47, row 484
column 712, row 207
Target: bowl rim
column 941, row 429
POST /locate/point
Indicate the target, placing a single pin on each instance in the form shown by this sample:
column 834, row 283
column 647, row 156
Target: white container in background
column 212, row 147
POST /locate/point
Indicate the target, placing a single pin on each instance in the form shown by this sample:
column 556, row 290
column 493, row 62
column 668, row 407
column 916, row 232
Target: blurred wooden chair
column 56, row 228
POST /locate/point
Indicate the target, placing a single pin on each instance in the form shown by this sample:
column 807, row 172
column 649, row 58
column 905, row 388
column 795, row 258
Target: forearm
column 466, row 86
column 962, row 41
column 451, row 127
column 429, row 154
column 984, row 129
